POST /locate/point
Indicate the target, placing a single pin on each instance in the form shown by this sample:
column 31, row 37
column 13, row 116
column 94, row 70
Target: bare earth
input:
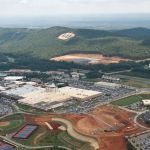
column 3, row 124
column 108, row 125
column 66, row 36
column 91, row 58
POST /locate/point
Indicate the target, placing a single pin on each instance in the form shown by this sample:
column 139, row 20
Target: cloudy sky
column 71, row 7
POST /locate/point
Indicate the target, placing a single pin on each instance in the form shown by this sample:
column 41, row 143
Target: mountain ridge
column 44, row 43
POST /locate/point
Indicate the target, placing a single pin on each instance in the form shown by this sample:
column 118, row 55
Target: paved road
column 139, row 79
column 29, row 147
column 76, row 135
column 136, row 117
column 116, row 72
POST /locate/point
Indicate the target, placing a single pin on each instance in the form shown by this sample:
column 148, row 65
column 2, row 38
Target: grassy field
column 135, row 81
column 13, row 117
column 51, row 138
column 137, row 84
column 30, row 140
column 127, row 101
column 13, row 124
column 26, row 108
column 131, row 99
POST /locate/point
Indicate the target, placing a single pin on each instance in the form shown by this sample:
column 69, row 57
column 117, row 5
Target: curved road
column 93, row 142
column 29, row 147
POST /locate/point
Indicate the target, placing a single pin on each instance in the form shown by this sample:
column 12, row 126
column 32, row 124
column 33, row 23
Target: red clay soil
column 109, row 125
column 39, row 120
column 6, row 123
column 95, row 58
column 113, row 143
column 106, row 123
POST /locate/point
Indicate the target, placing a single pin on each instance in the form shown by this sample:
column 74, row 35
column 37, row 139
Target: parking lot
column 141, row 142
column 6, row 105
column 109, row 94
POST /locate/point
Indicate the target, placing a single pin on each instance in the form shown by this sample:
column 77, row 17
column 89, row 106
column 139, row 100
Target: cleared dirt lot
column 89, row 58
column 107, row 124
column 6, row 123
column 66, row 36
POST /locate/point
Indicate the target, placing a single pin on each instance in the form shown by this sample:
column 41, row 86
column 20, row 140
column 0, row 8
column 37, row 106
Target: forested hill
column 44, row 43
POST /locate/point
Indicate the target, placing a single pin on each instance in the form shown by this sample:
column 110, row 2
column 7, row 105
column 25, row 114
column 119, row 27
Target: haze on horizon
column 13, row 12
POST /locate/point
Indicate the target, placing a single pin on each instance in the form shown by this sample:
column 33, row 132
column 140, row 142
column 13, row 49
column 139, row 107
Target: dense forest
column 43, row 43
column 33, row 63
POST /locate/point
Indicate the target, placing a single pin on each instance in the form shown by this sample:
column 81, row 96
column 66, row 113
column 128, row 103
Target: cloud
column 71, row 7
column 23, row 1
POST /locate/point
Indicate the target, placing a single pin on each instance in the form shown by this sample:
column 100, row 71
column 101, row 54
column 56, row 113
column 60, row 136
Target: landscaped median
column 93, row 142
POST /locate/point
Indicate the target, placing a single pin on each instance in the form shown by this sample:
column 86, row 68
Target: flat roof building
column 146, row 102
column 108, row 84
column 13, row 78
column 44, row 100
column 80, row 94
column 23, row 90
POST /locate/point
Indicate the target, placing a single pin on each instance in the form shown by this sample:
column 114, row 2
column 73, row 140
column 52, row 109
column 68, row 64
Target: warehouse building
column 79, row 94
column 45, row 100
column 146, row 102
column 14, row 78
column 108, row 84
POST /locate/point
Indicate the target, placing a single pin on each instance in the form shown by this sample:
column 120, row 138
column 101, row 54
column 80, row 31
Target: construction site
column 100, row 129
column 89, row 59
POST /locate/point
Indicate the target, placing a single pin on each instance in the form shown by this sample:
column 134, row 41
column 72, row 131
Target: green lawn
column 47, row 139
column 71, row 142
column 145, row 96
column 16, row 121
column 127, row 101
column 131, row 99
column 12, row 125
column 26, row 108
column 30, row 140
column 52, row 138
column 13, row 117
column 135, row 81
column 137, row 84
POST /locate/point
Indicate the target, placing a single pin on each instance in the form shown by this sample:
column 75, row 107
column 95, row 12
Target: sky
column 33, row 8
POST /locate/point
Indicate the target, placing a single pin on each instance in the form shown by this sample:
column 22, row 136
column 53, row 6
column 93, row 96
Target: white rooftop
column 78, row 93
column 43, row 96
column 107, row 84
column 2, row 88
column 26, row 89
column 146, row 102
column 13, row 78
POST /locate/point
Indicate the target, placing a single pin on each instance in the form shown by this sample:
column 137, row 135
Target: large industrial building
column 79, row 94
column 13, row 78
column 146, row 102
column 108, row 84
column 44, row 100
column 53, row 98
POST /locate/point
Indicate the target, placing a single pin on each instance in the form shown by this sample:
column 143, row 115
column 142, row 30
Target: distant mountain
column 91, row 33
column 44, row 43
column 138, row 33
